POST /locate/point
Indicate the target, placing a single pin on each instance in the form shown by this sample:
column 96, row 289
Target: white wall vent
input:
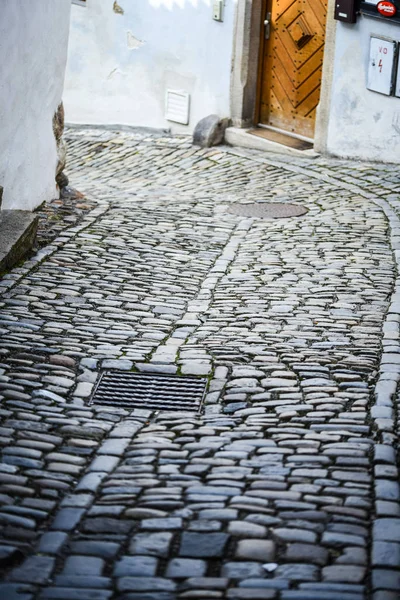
column 177, row 106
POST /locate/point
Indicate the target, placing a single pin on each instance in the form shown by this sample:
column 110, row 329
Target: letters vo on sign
column 382, row 55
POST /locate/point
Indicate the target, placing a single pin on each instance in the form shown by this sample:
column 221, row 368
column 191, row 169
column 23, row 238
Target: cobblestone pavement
column 286, row 487
column 57, row 214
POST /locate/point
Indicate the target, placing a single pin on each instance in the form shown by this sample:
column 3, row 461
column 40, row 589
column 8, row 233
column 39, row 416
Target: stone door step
column 257, row 140
column 17, row 234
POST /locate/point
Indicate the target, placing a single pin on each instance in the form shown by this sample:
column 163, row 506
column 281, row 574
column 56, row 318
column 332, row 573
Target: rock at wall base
column 210, row 131
column 70, row 193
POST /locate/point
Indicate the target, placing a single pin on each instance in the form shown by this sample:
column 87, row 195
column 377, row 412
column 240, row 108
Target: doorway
column 290, row 68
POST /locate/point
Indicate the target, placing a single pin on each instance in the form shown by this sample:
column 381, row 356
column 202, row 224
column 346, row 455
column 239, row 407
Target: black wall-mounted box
column 346, row 10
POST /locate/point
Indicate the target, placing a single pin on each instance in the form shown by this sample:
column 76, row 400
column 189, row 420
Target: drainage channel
column 151, row 391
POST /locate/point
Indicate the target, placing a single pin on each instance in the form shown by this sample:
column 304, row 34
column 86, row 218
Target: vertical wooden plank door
column 291, row 64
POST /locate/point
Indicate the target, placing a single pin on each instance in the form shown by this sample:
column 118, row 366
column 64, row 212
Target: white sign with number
column 381, row 62
column 397, row 89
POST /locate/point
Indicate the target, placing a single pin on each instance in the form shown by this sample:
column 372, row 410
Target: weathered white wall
column 120, row 65
column 362, row 124
column 33, row 50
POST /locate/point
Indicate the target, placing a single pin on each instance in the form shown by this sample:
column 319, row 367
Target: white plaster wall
column 33, row 50
column 120, row 65
column 362, row 124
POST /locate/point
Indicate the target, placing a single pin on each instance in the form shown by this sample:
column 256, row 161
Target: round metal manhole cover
column 267, row 210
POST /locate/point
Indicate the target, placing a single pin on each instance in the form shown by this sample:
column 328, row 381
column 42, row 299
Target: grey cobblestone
column 288, row 317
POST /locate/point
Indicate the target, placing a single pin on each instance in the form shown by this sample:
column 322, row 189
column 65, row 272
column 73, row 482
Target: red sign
column 385, row 8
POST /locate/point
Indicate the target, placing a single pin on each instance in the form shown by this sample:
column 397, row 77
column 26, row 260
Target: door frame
column 248, row 40
column 257, row 110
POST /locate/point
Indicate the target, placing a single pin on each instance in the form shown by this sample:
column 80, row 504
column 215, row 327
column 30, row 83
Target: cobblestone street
column 286, row 487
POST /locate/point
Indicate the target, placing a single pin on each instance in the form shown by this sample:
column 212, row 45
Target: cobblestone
column 277, row 488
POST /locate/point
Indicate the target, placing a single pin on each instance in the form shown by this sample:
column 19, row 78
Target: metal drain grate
column 150, row 391
column 267, row 210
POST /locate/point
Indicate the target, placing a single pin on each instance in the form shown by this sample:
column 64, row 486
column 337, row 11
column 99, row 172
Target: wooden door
column 291, row 64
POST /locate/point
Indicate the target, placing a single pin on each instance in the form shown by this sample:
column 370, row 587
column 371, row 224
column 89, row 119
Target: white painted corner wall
column 33, row 50
column 120, row 65
column 362, row 124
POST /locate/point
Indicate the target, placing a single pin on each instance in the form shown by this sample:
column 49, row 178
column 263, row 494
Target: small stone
column 338, row 540
column 104, row 464
column 386, row 579
column 52, row 541
column 77, row 500
column 294, row 535
column 89, row 363
column 15, row 591
column 155, row 544
column 298, row 572
column 143, row 513
column 386, row 554
column 75, row 593
column 206, row 583
column 181, row 568
column 82, row 581
column 253, row 549
column 308, row 553
column 106, row 525
column 118, row 364
column 387, row 490
column 162, row 524
column 9, row 555
column 385, row 595
column 83, row 565
column 207, row 545
column 242, row 570
column 344, row 573
column 83, row 389
column 384, row 454
column 64, row 361
column 141, row 566
column 196, row 368
column 105, row 550
column 35, row 569
column 67, row 519
column 247, row 529
column 114, row 447
column 91, row 482
column 144, row 584
column 352, row 555
column 250, row 594
column 387, row 530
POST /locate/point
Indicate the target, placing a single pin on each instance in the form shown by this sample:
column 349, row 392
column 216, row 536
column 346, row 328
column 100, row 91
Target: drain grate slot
column 151, row 391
